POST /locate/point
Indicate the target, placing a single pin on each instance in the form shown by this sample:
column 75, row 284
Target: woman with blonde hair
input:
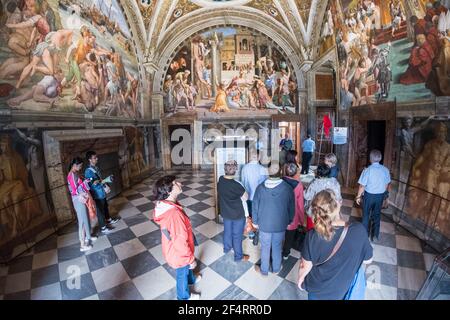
column 333, row 253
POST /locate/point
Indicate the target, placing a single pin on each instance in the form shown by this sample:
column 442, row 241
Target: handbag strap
column 337, row 246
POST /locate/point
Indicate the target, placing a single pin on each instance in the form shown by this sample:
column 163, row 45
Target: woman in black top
column 326, row 276
column 232, row 196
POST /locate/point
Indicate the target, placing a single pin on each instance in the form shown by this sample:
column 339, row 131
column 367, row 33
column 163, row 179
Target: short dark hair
column 413, row 19
column 323, row 171
column 75, row 161
column 163, row 187
column 291, row 169
column 290, row 156
column 90, row 154
column 308, row 135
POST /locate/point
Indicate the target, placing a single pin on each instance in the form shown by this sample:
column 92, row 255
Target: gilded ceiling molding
column 318, row 21
column 304, row 7
column 146, row 8
column 312, row 27
column 293, row 20
column 183, row 8
column 267, row 6
column 225, row 13
column 281, row 9
column 168, row 9
column 135, row 23
column 294, row 15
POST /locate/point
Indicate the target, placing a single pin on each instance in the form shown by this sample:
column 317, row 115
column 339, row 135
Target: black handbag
column 299, row 238
column 256, row 238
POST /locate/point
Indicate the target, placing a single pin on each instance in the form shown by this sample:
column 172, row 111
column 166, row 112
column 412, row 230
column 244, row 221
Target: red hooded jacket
column 176, row 234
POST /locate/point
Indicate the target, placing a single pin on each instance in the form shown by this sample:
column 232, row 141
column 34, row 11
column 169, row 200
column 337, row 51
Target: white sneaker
column 94, row 238
column 85, row 248
column 194, row 296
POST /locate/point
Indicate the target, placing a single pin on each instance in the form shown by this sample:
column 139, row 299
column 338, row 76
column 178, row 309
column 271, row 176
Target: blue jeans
column 232, row 237
column 271, row 242
column 372, row 210
column 357, row 289
column 185, row 277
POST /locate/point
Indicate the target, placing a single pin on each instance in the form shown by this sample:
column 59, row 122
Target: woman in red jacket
column 177, row 235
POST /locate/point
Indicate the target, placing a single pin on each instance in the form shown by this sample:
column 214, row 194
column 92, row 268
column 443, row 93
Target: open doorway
column 376, row 137
column 371, row 127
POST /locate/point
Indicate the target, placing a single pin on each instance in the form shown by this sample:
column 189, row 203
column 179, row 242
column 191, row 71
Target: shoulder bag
column 337, row 246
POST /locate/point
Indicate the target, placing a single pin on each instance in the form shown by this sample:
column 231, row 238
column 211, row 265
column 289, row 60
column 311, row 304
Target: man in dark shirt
column 232, row 198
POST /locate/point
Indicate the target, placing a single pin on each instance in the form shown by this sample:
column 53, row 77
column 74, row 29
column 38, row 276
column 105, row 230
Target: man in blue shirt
column 374, row 183
column 97, row 189
column 252, row 175
column 308, row 146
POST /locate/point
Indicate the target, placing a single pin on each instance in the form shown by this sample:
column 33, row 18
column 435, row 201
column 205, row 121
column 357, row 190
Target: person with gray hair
column 373, row 185
column 331, row 162
column 232, row 196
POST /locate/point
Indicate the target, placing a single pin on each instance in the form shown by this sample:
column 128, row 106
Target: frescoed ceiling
column 153, row 21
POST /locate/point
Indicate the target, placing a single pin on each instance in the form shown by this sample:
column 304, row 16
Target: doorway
column 180, row 139
column 376, row 137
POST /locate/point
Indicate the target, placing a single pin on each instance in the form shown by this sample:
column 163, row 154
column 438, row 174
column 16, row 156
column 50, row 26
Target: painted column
column 214, row 70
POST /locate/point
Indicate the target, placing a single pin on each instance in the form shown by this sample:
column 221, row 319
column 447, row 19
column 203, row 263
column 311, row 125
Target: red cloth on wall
column 327, row 124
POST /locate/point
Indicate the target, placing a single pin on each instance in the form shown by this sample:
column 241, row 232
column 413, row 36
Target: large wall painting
column 249, row 73
column 68, row 55
column 423, row 192
column 397, row 49
column 25, row 202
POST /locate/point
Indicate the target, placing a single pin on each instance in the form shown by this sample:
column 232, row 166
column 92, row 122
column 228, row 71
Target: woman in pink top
column 291, row 170
column 78, row 190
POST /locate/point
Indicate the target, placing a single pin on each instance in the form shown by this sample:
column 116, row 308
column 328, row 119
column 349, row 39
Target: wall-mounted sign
column 340, row 135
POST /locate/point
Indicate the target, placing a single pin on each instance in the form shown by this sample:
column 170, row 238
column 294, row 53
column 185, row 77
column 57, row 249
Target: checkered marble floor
column 128, row 263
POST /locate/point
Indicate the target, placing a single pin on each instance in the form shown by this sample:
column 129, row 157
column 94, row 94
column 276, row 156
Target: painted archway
column 199, row 21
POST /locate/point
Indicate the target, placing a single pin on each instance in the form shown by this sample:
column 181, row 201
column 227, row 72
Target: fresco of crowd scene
column 397, row 49
column 256, row 80
column 67, row 55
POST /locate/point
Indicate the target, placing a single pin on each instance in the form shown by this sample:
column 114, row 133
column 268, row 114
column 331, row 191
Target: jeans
column 372, row 211
column 271, row 242
column 84, row 225
column 232, row 237
column 306, row 160
column 102, row 211
column 185, row 277
column 288, row 242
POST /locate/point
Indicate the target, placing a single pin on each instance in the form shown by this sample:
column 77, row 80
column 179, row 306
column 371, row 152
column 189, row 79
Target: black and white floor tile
column 128, row 263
